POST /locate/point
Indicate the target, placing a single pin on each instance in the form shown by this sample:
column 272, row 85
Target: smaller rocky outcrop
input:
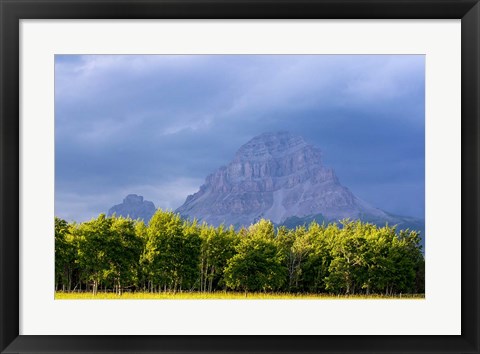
column 135, row 207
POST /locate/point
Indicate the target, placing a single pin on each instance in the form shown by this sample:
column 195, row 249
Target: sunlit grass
column 220, row 295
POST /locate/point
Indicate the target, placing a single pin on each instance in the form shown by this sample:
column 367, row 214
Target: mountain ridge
column 277, row 176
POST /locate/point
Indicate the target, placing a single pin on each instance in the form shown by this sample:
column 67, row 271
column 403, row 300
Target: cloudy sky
column 157, row 125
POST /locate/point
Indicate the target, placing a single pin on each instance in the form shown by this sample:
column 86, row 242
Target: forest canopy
column 169, row 254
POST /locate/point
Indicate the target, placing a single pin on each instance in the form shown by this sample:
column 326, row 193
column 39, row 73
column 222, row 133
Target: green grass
column 226, row 296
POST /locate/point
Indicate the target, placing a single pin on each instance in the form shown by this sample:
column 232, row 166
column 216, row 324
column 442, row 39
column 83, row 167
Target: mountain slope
column 277, row 176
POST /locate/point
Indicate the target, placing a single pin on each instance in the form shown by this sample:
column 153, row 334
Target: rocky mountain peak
column 135, row 207
column 133, row 199
column 270, row 145
column 274, row 176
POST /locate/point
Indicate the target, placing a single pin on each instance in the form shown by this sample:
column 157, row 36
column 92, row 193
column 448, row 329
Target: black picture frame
column 11, row 11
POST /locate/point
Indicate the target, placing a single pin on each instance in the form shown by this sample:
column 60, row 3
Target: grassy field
column 227, row 296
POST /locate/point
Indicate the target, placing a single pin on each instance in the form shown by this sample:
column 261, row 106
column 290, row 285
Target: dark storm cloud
column 158, row 125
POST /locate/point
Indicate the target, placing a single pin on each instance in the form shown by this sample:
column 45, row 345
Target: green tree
column 143, row 268
column 258, row 262
column 218, row 246
column 407, row 259
column 189, row 255
column 122, row 253
column 315, row 268
column 296, row 245
column 172, row 251
column 347, row 270
column 92, row 249
column 65, row 255
column 108, row 251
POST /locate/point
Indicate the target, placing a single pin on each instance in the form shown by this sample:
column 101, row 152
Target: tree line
column 170, row 254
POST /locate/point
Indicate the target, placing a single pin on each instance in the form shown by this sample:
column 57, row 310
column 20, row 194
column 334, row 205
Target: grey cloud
column 123, row 122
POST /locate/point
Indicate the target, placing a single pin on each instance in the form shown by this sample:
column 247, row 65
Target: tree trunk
column 201, row 275
column 205, row 277
column 211, row 278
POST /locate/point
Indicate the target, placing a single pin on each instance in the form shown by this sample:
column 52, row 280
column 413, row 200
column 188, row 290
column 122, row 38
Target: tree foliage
column 257, row 264
column 172, row 254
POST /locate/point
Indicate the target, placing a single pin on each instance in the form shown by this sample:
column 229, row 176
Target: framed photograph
column 239, row 176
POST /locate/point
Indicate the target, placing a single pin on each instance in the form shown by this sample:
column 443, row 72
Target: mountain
column 134, row 207
column 278, row 176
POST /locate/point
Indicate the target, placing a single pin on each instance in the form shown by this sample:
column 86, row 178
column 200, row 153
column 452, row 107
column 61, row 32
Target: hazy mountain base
column 402, row 223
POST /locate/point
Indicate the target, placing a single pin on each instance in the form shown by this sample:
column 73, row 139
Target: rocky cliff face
column 135, row 207
column 275, row 176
